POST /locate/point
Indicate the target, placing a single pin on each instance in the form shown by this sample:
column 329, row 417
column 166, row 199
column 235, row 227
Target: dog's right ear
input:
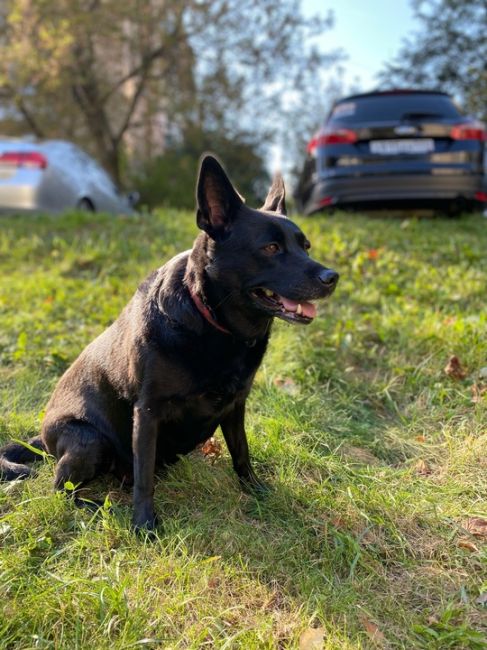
column 276, row 198
column 217, row 199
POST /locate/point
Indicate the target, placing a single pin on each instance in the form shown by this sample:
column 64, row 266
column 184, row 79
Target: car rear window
column 381, row 108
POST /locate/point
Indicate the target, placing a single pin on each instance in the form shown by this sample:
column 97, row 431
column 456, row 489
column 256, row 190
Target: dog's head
column 258, row 254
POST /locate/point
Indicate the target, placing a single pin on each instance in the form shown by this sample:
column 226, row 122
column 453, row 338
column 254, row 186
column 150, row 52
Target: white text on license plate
column 407, row 145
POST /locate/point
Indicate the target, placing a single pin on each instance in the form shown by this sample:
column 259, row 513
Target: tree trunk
column 111, row 160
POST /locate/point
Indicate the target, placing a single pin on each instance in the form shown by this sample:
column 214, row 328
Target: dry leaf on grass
column 338, row 522
column 482, row 599
column 359, row 455
column 373, row 631
column 420, row 438
column 465, row 543
column 422, row 468
column 454, row 368
column 478, row 390
column 476, row 526
column 211, row 448
column 369, row 538
column 312, row 639
column 287, row 385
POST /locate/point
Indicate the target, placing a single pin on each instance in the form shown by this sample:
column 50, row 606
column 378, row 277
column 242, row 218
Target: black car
column 396, row 148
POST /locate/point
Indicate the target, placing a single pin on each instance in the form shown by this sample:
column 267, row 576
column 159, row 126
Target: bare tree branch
column 139, row 69
column 132, row 108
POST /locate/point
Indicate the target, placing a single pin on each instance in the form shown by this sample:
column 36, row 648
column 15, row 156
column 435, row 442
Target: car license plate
column 405, row 145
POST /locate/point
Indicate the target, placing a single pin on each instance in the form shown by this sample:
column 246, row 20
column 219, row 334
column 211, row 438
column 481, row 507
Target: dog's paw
column 254, row 486
column 93, row 505
column 144, row 523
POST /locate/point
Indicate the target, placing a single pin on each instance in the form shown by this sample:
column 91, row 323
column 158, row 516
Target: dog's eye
column 271, row 249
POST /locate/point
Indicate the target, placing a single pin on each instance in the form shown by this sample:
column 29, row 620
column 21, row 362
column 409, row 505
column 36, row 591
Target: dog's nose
column 328, row 277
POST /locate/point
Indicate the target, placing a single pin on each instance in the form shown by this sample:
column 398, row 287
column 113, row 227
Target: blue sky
column 369, row 32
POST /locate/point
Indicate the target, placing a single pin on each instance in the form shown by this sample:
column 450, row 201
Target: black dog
column 180, row 359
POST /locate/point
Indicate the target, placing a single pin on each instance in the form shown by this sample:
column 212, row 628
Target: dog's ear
column 276, row 197
column 218, row 201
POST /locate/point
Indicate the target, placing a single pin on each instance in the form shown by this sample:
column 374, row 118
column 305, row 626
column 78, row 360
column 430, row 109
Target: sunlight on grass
column 376, row 457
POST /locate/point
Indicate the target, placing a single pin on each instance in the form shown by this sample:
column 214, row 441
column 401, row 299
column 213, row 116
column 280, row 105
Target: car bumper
column 393, row 189
column 18, row 198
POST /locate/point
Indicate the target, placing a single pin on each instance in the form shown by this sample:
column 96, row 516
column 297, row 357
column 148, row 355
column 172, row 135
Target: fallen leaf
column 482, row 599
column 478, row 390
column 312, row 639
column 338, row 522
column 359, row 455
column 420, row 438
column 211, row 448
column 373, row 631
column 373, row 254
column 454, row 368
column 369, row 538
column 4, row 529
column 287, row 385
column 465, row 543
column 422, row 468
column 476, row 526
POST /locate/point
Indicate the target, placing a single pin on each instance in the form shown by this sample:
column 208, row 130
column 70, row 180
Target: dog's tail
column 15, row 455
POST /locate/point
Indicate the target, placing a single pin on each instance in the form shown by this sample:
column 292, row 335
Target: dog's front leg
column 233, row 428
column 144, row 447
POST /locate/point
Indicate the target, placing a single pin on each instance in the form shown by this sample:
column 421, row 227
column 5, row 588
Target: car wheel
column 85, row 205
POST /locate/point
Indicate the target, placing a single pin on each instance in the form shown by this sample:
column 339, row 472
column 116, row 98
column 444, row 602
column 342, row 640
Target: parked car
column 396, row 147
column 54, row 175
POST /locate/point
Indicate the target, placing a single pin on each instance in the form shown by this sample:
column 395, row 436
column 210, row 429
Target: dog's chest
column 215, row 385
column 213, row 380
column 192, row 418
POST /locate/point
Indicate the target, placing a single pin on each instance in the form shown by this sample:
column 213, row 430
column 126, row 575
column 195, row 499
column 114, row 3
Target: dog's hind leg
column 15, row 456
column 82, row 451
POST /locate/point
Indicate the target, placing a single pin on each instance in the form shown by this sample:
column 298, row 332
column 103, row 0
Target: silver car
column 54, row 175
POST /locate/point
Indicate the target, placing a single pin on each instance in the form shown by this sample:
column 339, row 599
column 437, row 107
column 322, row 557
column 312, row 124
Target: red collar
column 205, row 312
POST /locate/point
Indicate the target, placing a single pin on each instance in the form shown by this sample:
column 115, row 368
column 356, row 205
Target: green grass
column 376, row 457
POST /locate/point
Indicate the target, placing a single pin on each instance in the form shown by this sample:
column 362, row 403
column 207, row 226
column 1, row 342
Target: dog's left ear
column 218, row 201
column 276, row 197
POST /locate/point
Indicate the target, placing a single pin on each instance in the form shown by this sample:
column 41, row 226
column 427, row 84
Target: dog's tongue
column 308, row 309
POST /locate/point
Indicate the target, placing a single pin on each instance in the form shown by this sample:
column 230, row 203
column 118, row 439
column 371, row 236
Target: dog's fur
column 180, row 359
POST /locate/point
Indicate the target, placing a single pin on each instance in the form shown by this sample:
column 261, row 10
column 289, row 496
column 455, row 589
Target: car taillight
column 30, row 159
column 331, row 136
column 474, row 131
column 326, row 201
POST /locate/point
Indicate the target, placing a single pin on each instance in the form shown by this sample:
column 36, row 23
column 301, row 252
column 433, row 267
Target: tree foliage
column 111, row 73
column 448, row 52
column 168, row 179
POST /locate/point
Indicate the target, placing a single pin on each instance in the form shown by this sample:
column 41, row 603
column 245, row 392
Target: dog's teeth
column 299, row 310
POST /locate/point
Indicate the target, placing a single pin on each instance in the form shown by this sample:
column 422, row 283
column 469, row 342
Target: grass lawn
column 374, row 534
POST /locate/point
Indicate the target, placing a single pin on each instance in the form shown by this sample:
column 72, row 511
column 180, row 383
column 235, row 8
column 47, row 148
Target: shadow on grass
column 299, row 541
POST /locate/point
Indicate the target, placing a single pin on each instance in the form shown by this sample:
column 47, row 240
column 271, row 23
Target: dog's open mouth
column 290, row 310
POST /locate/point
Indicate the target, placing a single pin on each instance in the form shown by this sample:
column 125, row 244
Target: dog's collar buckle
column 205, row 312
